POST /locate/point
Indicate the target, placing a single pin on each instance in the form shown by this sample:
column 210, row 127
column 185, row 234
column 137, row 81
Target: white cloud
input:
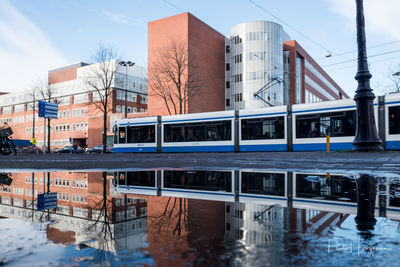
column 381, row 16
column 25, row 51
column 116, row 17
column 121, row 18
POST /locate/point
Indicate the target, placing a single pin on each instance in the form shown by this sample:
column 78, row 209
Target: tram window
column 337, row 188
column 199, row 180
column 334, row 124
column 394, row 120
column 263, row 183
column 141, row 178
column 263, row 128
column 200, row 131
column 141, row 134
column 122, row 135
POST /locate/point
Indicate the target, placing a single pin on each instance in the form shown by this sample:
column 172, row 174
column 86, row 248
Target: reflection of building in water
column 85, row 211
column 253, row 224
column 189, row 224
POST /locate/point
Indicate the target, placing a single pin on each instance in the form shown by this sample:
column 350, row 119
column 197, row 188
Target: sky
column 37, row 36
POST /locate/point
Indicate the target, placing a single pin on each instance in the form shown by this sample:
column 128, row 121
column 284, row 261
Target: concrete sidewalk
column 372, row 161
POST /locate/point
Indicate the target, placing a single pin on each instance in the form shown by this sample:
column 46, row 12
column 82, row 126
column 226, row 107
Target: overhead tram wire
column 174, row 6
column 351, row 60
column 283, row 22
column 354, row 51
column 370, row 62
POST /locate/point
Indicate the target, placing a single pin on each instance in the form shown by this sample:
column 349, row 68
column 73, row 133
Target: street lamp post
column 366, row 138
column 126, row 64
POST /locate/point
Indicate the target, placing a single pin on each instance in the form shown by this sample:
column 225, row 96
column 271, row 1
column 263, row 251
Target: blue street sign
column 48, row 110
column 47, row 201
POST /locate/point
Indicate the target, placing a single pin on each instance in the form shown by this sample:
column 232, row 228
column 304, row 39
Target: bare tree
column 393, row 76
column 100, row 80
column 392, row 84
column 44, row 90
column 101, row 223
column 174, row 217
column 169, row 76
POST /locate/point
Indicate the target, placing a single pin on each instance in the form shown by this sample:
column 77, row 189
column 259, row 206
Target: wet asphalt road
column 371, row 161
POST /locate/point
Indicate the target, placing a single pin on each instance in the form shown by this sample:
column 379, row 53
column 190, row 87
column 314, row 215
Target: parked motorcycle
column 6, row 144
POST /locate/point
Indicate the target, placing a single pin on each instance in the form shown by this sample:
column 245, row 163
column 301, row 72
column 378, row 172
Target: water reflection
column 195, row 216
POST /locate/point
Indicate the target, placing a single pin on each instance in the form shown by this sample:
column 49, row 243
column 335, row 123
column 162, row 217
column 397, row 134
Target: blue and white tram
column 136, row 135
column 200, row 132
column 263, row 129
column 313, row 122
column 392, row 121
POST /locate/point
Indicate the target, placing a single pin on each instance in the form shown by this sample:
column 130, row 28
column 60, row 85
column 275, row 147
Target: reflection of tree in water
column 173, row 217
column 101, row 225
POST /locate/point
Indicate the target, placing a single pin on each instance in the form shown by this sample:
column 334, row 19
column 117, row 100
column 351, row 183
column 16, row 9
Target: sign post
column 47, row 110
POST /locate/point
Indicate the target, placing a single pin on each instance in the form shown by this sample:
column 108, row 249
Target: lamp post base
column 366, row 147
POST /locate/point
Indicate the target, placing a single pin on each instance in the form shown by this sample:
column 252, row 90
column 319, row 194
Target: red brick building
column 316, row 83
column 79, row 120
column 205, row 47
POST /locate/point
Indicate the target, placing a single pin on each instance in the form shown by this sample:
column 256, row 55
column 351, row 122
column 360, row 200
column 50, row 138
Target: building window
column 228, row 209
column 118, row 109
column 64, row 101
column 299, row 76
column 120, row 95
column 237, row 39
column 239, row 97
column 7, row 110
column 238, row 58
column 227, row 67
column 132, row 97
column 227, row 49
column 227, row 102
column 19, row 108
column 228, row 84
column 82, row 98
column 238, row 77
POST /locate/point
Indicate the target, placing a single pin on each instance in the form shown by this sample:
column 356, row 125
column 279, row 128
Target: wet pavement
column 384, row 161
column 201, row 217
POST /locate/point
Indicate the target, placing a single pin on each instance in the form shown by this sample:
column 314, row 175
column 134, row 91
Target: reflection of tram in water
column 301, row 127
column 315, row 191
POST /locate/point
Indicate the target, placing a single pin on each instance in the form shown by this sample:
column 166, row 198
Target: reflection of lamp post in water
column 366, row 138
column 366, row 196
column 126, row 64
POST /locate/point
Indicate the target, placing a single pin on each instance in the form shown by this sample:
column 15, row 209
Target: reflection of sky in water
column 202, row 228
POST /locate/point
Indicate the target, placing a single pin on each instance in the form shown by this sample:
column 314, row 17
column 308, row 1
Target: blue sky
column 36, row 36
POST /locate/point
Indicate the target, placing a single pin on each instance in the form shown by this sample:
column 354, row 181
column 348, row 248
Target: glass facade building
column 264, row 67
column 255, row 65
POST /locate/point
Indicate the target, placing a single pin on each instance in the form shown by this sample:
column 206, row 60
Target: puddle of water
column 197, row 217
